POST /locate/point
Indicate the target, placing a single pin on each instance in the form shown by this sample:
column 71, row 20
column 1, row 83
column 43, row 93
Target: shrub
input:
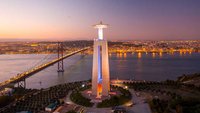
column 5, row 100
column 116, row 100
column 77, row 98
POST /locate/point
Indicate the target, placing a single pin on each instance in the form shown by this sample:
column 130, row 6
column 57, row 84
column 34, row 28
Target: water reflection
column 160, row 54
column 139, row 55
column 125, row 55
column 181, row 53
column 153, row 55
column 120, row 55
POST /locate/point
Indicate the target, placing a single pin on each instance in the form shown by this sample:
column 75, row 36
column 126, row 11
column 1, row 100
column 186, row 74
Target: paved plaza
column 139, row 105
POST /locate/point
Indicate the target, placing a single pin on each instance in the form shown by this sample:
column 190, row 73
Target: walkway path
column 139, row 105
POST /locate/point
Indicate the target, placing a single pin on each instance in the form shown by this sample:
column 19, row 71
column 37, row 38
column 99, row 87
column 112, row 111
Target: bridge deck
column 28, row 73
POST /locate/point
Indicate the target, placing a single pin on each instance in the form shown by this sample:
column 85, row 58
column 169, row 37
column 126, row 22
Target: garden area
column 116, row 100
column 181, row 98
column 78, row 98
column 37, row 100
column 17, row 94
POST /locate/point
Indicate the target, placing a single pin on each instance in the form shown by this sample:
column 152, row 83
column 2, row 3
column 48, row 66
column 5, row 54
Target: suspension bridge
column 19, row 79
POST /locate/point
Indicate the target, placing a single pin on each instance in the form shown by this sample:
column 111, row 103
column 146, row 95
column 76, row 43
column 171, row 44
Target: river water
column 136, row 66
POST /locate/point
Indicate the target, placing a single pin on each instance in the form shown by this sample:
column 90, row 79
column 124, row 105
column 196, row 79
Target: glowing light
column 125, row 55
column 100, row 32
column 153, row 55
column 139, row 55
column 34, row 45
column 83, row 85
column 100, row 27
column 160, row 54
column 180, row 53
column 120, row 55
column 117, row 55
column 99, row 89
column 99, row 65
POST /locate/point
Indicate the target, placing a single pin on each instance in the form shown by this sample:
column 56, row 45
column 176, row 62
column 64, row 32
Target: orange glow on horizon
column 33, row 29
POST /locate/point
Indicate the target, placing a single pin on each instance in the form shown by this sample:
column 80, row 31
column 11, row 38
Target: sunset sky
column 73, row 19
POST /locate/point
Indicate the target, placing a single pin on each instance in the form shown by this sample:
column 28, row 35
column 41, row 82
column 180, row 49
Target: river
column 154, row 67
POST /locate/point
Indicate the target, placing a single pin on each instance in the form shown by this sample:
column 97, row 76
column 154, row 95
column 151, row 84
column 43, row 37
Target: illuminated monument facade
column 100, row 72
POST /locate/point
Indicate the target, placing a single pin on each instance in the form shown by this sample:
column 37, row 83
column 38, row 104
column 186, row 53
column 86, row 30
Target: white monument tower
column 100, row 72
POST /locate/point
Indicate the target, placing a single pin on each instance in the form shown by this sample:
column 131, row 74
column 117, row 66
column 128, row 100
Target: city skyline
column 73, row 20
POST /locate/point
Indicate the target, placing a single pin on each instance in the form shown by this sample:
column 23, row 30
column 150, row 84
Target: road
column 139, row 105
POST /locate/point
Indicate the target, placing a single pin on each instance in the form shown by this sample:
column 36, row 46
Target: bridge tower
column 22, row 83
column 60, row 55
